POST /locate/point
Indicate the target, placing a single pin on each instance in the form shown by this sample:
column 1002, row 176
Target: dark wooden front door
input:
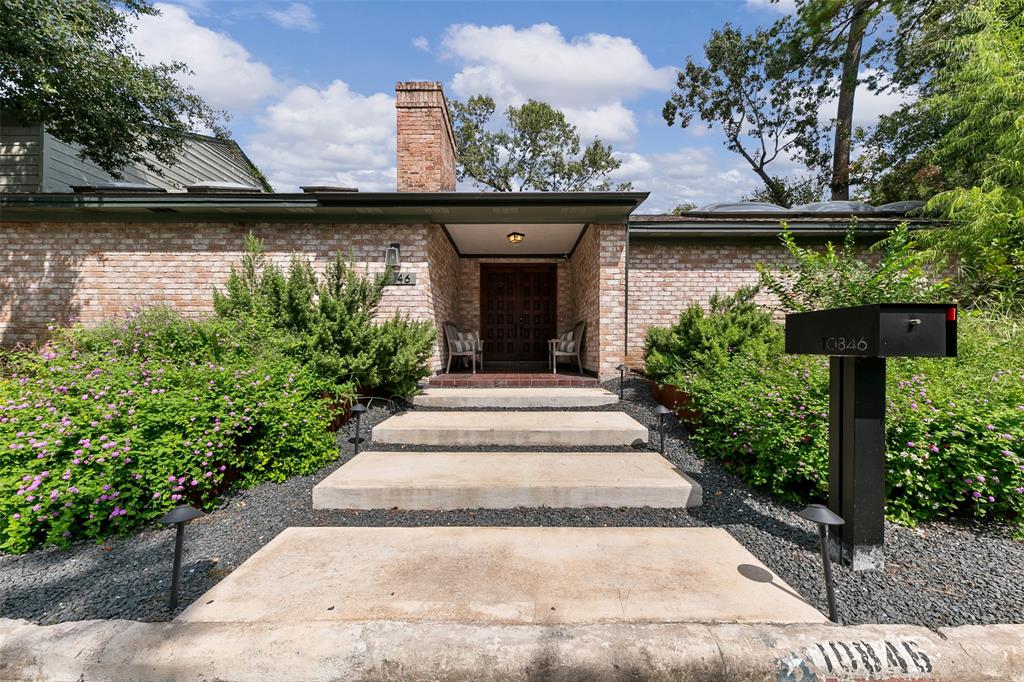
column 517, row 311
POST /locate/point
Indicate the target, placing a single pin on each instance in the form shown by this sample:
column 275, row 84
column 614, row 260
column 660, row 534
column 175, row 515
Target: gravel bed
column 937, row 575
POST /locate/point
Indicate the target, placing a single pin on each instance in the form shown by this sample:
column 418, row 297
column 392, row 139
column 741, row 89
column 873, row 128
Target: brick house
column 516, row 267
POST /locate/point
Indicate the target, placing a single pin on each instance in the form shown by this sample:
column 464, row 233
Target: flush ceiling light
column 515, row 237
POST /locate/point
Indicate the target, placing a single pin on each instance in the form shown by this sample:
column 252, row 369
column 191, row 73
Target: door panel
column 517, row 311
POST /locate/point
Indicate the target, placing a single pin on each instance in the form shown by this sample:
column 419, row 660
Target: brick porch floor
column 511, row 379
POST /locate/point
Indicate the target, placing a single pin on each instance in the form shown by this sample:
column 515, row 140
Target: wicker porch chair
column 463, row 344
column 569, row 344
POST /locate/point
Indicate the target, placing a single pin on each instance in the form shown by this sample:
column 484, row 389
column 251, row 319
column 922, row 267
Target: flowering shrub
column 954, row 427
column 104, row 430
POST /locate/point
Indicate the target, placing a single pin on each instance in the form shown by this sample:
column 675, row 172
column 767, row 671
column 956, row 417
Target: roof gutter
column 323, row 199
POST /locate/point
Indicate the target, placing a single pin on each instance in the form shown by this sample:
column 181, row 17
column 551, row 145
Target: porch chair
column 569, row 344
column 463, row 344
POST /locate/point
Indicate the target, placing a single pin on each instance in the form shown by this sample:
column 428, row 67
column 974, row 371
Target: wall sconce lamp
column 393, row 256
column 515, row 237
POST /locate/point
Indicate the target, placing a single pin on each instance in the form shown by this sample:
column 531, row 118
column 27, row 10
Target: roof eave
column 356, row 207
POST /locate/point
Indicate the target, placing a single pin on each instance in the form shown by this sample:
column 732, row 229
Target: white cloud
column 421, row 43
column 610, row 122
column 224, row 73
column 587, row 77
column 782, row 6
column 328, row 136
column 689, row 174
column 296, row 15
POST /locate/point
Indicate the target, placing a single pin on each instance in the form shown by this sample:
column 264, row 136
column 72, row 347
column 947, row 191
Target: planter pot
column 342, row 411
column 677, row 400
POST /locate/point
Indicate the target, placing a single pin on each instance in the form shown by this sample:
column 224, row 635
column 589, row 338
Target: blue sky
column 310, row 85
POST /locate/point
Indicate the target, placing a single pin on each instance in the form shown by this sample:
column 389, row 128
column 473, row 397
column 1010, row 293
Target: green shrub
column 837, row 277
column 954, row 427
column 104, row 430
column 331, row 322
column 734, row 323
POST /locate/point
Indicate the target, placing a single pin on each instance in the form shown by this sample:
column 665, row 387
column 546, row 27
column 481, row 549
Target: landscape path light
column 357, row 411
column 825, row 517
column 622, row 378
column 178, row 517
column 661, row 411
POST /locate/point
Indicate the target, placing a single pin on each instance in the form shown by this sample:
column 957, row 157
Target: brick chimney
column 426, row 145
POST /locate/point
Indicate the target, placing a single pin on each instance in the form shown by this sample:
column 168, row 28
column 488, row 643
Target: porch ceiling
column 489, row 239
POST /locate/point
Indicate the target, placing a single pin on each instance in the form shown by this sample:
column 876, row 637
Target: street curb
column 127, row 650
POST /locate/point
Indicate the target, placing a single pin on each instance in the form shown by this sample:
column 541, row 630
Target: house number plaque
column 397, row 278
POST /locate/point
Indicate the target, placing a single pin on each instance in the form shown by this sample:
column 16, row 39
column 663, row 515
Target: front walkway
column 447, row 460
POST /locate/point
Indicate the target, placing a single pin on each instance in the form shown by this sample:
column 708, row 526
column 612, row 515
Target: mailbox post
column 858, row 340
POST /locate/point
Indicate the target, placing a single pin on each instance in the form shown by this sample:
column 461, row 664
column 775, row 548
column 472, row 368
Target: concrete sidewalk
column 125, row 651
column 498, row 575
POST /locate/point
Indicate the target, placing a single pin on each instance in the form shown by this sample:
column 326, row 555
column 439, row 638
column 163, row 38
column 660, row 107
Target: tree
column 765, row 109
column 801, row 190
column 827, row 38
column 981, row 92
column 538, row 150
column 683, row 207
column 70, row 65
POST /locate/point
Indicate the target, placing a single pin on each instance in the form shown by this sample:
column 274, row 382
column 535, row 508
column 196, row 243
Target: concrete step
column 483, row 575
column 514, row 397
column 543, row 429
column 504, row 480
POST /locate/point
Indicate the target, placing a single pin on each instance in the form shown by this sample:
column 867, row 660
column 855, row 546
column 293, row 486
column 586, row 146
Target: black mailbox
column 858, row 339
column 882, row 330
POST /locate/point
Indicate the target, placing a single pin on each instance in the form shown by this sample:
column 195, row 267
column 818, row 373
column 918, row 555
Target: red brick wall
column 96, row 271
column 445, row 291
column 586, row 287
column 613, row 299
column 666, row 277
column 425, row 144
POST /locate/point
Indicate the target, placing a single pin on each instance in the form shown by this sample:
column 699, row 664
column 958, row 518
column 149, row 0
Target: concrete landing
column 502, row 575
column 514, row 397
column 542, row 429
column 504, row 480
